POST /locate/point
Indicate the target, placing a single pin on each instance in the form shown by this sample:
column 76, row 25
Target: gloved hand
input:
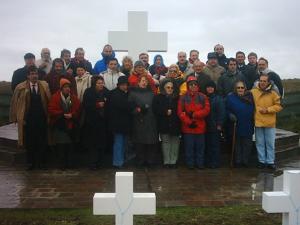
column 193, row 125
column 232, row 117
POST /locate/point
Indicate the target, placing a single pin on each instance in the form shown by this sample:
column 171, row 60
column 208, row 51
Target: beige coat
column 20, row 104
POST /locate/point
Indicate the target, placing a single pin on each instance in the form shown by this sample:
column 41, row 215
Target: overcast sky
column 269, row 28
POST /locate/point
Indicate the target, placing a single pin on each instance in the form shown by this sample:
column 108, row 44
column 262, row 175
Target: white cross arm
column 143, row 204
column 104, row 204
column 276, row 202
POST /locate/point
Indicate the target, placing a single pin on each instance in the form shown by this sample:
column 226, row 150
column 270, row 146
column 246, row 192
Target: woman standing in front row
column 144, row 136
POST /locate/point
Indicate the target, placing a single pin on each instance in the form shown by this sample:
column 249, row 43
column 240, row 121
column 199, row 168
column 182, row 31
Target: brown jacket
column 20, row 104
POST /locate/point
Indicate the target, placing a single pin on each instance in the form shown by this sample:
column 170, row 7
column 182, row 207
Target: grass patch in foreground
column 235, row 215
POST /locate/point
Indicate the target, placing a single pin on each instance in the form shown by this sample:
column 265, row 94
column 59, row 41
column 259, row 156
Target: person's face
column 169, row 89
column 252, row 60
column 172, row 72
column 45, row 55
column 193, row 86
column 262, row 65
column 123, row 87
column 127, row 64
column 210, row 90
column 212, row 62
column 66, row 90
column 99, row 85
column 113, row 65
column 219, row 49
column 240, row 88
column 198, row 67
column 107, row 51
column 194, row 56
column 33, row 76
column 79, row 55
column 240, row 58
column 58, row 67
column 181, row 58
column 143, row 82
column 144, row 58
column 158, row 61
column 80, row 71
column 66, row 57
column 30, row 62
column 139, row 69
column 232, row 66
column 263, row 82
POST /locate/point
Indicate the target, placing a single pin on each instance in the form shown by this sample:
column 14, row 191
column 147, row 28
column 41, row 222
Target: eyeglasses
column 240, row 87
column 172, row 71
column 169, row 87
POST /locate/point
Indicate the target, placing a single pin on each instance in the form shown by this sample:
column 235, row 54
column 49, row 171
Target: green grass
column 235, row 215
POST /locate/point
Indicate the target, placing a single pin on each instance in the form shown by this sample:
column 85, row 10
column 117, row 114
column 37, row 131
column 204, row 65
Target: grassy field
column 236, row 215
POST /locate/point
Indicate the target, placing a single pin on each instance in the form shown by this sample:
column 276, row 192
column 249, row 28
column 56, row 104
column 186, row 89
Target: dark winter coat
column 119, row 112
column 222, row 61
column 144, row 122
column 94, row 128
column 161, row 104
column 251, row 75
column 75, row 63
column 217, row 113
column 244, row 112
column 226, row 82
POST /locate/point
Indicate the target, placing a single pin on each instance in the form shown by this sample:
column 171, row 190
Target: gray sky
column 269, row 28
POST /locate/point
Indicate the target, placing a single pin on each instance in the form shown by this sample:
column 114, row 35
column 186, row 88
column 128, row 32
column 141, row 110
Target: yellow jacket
column 266, row 99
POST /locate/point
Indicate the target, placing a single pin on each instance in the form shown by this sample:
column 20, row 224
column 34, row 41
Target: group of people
column 66, row 102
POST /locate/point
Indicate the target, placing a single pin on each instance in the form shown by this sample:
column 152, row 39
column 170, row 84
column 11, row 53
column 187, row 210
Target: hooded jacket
column 101, row 65
column 269, row 99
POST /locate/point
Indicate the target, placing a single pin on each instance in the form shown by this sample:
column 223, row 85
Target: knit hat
column 63, row 82
column 212, row 55
column 122, row 80
column 211, row 84
column 139, row 63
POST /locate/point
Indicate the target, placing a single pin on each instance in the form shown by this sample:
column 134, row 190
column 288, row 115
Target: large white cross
column 286, row 201
column 124, row 203
column 137, row 39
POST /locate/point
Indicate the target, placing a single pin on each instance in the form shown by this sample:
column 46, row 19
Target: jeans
column 194, row 145
column 119, row 146
column 212, row 151
column 170, row 148
column 265, row 144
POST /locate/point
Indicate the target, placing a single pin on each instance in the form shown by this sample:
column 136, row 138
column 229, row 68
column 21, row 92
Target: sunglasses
column 169, row 87
column 240, row 87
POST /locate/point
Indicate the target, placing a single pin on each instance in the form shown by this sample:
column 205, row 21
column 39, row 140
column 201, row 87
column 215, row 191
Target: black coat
column 120, row 120
column 94, row 127
column 251, row 75
column 166, row 124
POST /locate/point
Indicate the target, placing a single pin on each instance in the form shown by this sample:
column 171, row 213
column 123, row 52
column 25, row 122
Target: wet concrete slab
column 174, row 187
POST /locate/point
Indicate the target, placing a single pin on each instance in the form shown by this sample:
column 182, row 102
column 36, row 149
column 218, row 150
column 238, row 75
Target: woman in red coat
column 63, row 110
column 193, row 107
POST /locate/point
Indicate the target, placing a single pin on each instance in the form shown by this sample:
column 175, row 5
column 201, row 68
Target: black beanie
column 211, row 84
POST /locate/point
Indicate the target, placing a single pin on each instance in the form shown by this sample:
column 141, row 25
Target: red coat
column 193, row 108
column 133, row 81
column 56, row 111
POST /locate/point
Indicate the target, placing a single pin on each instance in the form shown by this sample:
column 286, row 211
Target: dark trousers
column 35, row 144
column 212, row 149
column 194, row 145
column 243, row 147
column 145, row 153
column 64, row 151
column 96, row 155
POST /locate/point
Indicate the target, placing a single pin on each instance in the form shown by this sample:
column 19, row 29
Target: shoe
column 30, row 167
column 166, row 166
column 238, row 165
column 271, row 166
column 200, row 167
column 260, row 165
column 190, row 167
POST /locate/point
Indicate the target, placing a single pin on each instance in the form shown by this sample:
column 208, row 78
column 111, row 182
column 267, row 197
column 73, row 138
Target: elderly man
column 79, row 59
column 107, row 54
column 194, row 55
column 212, row 68
column 29, row 106
column 202, row 78
column 267, row 104
column 20, row 74
column 222, row 60
column 184, row 66
column 144, row 57
column 45, row 62
column 263, row 68
column 227, row 80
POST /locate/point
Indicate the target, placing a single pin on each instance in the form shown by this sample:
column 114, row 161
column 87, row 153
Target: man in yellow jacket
column 267, row 104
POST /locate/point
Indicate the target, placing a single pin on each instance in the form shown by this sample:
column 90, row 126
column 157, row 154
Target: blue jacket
column 101, row 65
column 244, row 112
column 217, row 113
